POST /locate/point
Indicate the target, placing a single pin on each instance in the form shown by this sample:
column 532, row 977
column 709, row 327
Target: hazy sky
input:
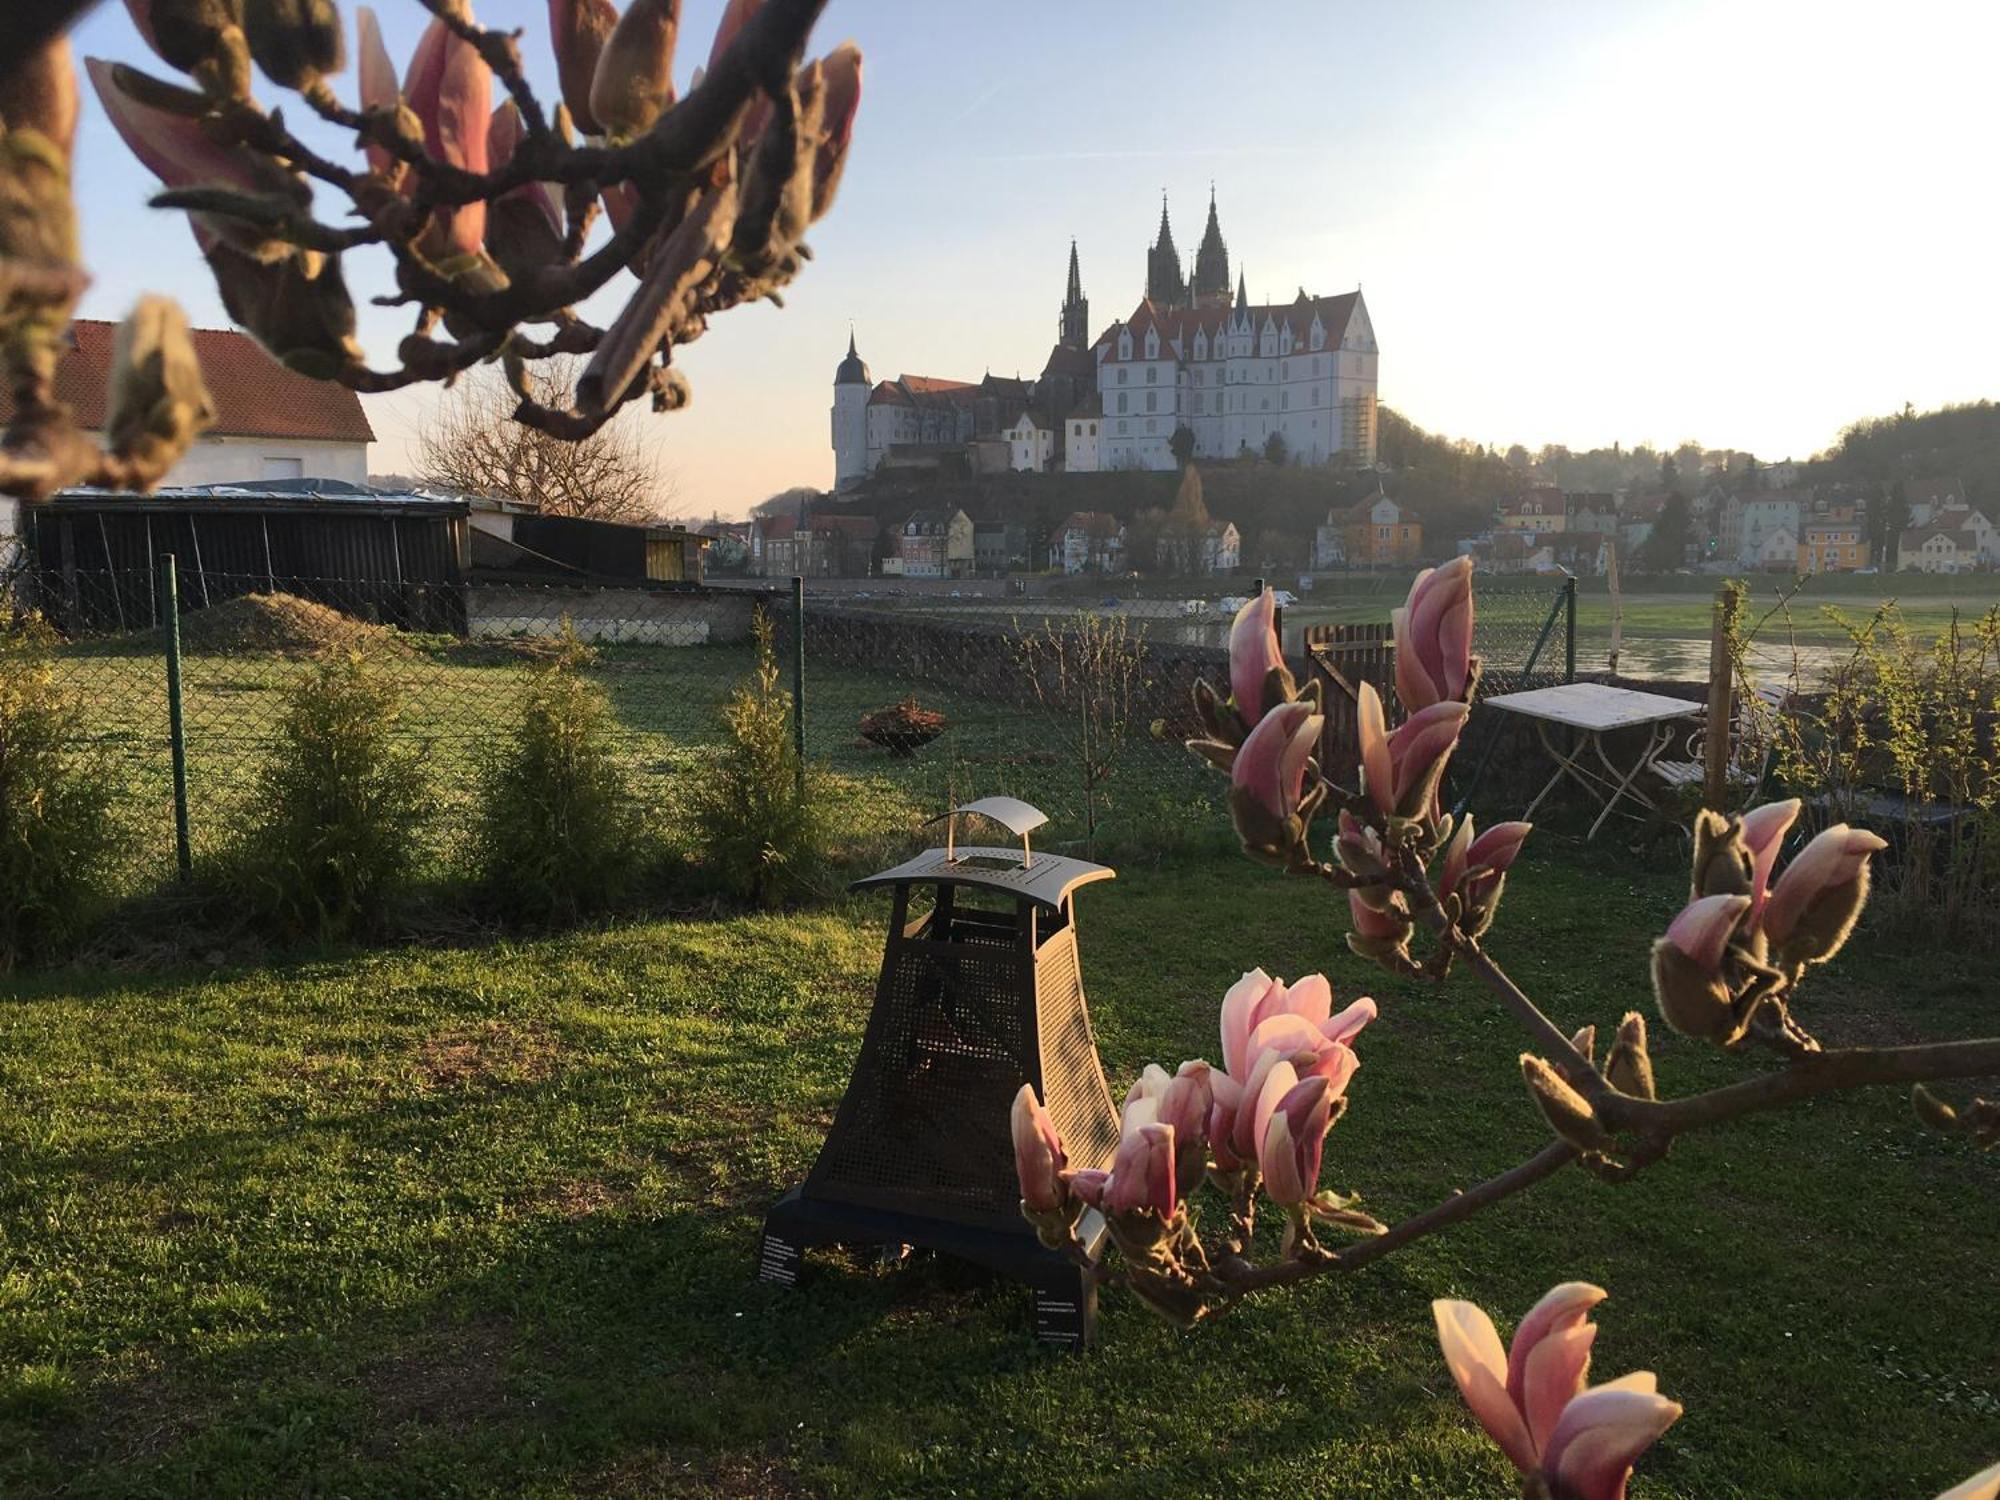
column 1742, row 221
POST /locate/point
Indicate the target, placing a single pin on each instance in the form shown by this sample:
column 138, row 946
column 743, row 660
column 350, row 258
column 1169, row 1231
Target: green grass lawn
column 482, row 1222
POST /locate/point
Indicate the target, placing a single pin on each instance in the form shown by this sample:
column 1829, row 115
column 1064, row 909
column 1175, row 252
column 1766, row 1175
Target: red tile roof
column 255, row 396
column 1180, row 323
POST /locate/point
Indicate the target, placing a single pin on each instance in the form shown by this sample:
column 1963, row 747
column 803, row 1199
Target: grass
column 483, row 1222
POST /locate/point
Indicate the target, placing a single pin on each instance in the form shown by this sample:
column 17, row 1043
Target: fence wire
column 1081, row 711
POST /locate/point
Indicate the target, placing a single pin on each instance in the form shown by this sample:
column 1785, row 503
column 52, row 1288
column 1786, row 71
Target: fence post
column 1721, row 698
column 799, row 676
column 170, row 600
column 1569, row 629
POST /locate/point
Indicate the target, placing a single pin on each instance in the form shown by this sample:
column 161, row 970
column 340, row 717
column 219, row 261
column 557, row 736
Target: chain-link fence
column 908, row 707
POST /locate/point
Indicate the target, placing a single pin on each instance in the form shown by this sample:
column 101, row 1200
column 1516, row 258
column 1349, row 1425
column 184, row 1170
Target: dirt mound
column 284, row 624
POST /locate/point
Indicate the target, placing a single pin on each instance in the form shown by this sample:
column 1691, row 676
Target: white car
column 1285, row 598
column 1230, row 605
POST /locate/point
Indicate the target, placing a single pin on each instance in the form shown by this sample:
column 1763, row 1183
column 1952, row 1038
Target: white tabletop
column 1595, row 706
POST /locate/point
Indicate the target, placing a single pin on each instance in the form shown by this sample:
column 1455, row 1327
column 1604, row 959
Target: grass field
column 483, row 1222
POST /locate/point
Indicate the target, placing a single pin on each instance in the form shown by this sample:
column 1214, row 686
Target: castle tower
column 1075, row 309
column 1163, row 266
column 851, row 387
column 1210, row 286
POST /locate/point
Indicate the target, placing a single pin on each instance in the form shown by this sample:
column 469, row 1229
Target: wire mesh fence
column 906, row 710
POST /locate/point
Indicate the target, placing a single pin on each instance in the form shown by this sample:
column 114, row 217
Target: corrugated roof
column 255, row 396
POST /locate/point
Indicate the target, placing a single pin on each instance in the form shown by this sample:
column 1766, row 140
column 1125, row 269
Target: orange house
column 1379, row 532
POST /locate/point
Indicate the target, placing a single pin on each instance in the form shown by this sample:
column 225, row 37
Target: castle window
column 1121, row 401
column 1152, row 401
column 1121, row 377
column 1152, row 374
column 1121, row 425
column 1315, row 395
column 1093, row 429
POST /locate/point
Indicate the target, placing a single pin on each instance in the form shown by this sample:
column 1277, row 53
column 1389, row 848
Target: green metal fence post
column 799, row 676
column 1569, row 629
column 170, row 601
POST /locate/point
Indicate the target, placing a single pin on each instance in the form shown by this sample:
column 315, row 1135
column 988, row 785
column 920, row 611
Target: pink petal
column 1377, row 770
column 1414, row 686
column 1552, row 1378
column 1310, row 997
column 1562, row 1306
column 1278, row 1080
column 1498, row 847
column 1598, row 1438
column 1473, row 1355
column 1828, row 862
column 1985, row 1485
column 1278, row 1161
column 1704, row 927
column 1253, row 651
column 1344, row 1027
column 1239, row 1011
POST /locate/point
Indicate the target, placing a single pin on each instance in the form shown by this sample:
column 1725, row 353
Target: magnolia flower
column 634, row 79
column 1532, row 1400
column 1400, row 771
column 1816, row 902
column 1433, row 633
column 1038, row 1153
column 1688, row 977
column 1142, row 1173
column 1270, row 769
column 450, row 90
column 1182, row 1101
column 1292, row 1139
column 1253, row 653
column 1257, row 997
column 578, row 30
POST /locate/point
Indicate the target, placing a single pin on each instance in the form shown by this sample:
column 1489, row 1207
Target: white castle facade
column 1194, row 354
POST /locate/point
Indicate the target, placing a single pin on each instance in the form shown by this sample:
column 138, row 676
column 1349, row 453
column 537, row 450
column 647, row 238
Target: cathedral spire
column 1209, row 285
column 1164, row 283
column 1074, row 324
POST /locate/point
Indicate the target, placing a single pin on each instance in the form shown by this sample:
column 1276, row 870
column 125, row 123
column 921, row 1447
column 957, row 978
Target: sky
column 1745, row 222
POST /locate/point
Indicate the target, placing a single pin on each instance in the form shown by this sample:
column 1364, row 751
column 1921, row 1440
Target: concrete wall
column 649, row 617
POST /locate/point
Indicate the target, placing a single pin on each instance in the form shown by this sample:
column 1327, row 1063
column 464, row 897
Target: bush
column 761, row 839
column 558, row 822
column 57, row 836
column 331, row 828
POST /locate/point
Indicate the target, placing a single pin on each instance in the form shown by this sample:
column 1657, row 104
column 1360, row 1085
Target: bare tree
column 473, row 445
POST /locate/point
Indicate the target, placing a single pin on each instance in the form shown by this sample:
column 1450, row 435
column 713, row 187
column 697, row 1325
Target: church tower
column 851, row 387
column 1163, row 266
column 1075, row 309
column 1210, row 287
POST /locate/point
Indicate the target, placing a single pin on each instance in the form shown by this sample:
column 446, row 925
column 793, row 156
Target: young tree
column 1181, row 444
column 1275, row 450
column 473, row 445
column 1666, row 548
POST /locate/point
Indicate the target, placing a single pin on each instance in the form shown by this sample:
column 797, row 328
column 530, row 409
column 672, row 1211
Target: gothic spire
column 1210, row 283
column 1164, row 284
column 1074, row 324
column 1075, row 275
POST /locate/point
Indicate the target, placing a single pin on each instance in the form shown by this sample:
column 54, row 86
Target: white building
column 1776, row 551
column 1088, row 541
column 1749, row 519
column 1031, row 447
column 1193, row 354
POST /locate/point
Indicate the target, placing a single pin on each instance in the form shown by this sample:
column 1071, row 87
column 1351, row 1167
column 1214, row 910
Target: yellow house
column 1832, row 545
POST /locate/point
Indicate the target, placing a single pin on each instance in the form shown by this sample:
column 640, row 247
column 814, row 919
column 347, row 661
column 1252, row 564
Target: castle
column 1192, row 355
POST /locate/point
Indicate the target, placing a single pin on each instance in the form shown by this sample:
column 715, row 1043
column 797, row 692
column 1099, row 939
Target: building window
column 1152, row 401
column 1093, row 429
column 1152, row 375
column 1151, row 426
column 1121, row 426
column 1121, row 402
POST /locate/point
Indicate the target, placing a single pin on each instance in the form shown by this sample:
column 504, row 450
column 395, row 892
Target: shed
column 386, row 555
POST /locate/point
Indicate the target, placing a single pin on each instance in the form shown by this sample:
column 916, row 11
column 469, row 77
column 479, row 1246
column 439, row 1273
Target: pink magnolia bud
column 1271, row 766
column 1038, row 1153
column 1578, row 1443
column 450, row 90
column 504, row 134
column 174, row 148
column 1142, row 1173
column 1703, row 929
column 734, row 15
column 1091, row 1184
column 1186, row 1103
column 1818, row 899
column 376, row 79
column 1227, row 1093
column 842, row 71
column 1294, row 1139
column 634, row 81
column 1253, row 653
column 1378, row 770
column 1390, row 924
column 578, row 30
column 1433, row 633
column 1764, row 830
column 1418, row 751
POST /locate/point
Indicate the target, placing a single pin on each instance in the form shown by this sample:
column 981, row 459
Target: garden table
column 1596, row 709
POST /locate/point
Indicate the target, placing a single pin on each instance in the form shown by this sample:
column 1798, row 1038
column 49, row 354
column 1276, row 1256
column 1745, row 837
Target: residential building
column 1380, row 533
column 1540, row 510
column 1833, row 544
column 1749, row 520
column 270, row 422
column 938, row 544
column 1088, row 541
column 999, row 545
column 1956, row 540
column 1926, row 497
column 1080, row 446
column 1590, row 512
column 1330, row 541
column 1776, row 551
column 1031, row 447
column 1217, row 549
column 806, row 545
